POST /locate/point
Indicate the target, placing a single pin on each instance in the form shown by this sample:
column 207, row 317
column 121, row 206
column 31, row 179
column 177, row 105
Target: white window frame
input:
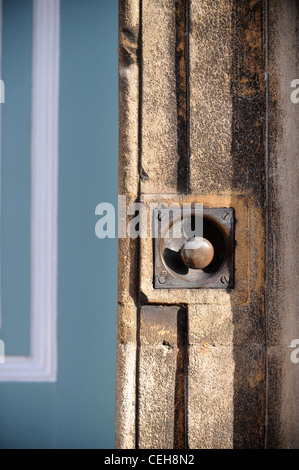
column 41, row 365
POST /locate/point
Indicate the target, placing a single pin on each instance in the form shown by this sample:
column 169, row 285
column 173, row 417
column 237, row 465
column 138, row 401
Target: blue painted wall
column 77, row 411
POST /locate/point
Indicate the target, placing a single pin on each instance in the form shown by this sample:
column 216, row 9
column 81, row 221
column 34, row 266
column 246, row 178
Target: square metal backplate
column 169, row 275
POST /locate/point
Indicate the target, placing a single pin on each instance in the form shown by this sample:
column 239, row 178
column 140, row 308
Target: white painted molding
column 0, row 157
column 41, row 366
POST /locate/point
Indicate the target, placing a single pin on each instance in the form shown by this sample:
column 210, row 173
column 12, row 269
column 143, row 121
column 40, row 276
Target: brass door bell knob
column 197, row 253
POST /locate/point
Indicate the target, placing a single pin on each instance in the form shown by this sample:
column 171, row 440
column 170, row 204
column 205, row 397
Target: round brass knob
column 197, row 253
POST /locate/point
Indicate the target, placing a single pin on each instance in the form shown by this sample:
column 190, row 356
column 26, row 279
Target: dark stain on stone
column 182, row 93
column 180, row 411
column 248, row 152
column 144, row 176
column 167, row 344
column 130, row 35
column 248, row 97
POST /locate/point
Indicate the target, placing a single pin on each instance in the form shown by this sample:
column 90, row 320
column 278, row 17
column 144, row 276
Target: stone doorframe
column 206, row 116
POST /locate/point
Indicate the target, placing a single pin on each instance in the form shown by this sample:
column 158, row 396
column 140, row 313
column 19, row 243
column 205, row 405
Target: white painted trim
column 41, row 366
column 0, row 158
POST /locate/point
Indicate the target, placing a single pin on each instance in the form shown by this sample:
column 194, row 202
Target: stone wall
column 206, row 116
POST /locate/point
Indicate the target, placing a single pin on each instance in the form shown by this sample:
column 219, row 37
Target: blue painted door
column 76, row 409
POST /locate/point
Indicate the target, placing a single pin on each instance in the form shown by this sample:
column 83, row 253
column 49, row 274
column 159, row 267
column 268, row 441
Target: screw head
column 224, row 279
column 162, row 277
column 225, row 216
